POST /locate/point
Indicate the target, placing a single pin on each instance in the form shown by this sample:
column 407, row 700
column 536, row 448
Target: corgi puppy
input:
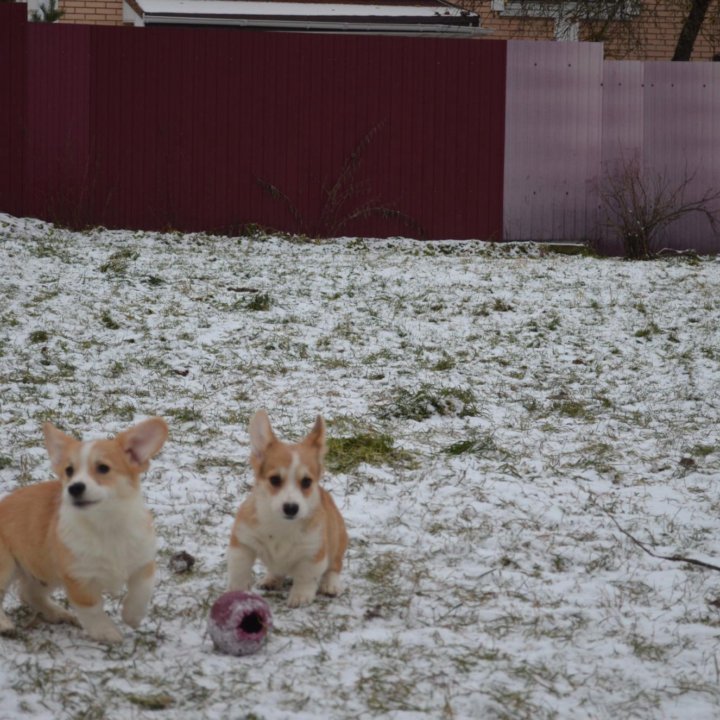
column 288, row 520
column 88, row 532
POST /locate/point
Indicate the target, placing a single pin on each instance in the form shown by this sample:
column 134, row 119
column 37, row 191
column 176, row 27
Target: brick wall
column 650, row 35
column 655, row 33
column 92, row 12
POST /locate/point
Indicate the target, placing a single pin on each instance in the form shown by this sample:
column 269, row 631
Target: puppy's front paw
column 330, row 584
column 301, row 596
column 272, row 582
column 106, row 634
column 132, row 617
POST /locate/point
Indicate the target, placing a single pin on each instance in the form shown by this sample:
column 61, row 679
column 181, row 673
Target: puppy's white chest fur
column 281, row 544
column 108, row 545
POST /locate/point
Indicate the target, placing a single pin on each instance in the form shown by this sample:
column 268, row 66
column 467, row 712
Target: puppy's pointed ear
column 261, row 436
column 143, row 441
column 56, row 442
column 316, row 437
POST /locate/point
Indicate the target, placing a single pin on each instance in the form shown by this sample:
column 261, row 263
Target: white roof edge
column 384, row 28
column 291, row 10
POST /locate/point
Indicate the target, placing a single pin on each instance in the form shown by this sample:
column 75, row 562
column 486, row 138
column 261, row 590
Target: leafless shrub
column 346, row 199
column 638, row 205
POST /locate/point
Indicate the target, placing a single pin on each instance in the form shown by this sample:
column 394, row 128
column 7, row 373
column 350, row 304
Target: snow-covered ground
column 523, row 407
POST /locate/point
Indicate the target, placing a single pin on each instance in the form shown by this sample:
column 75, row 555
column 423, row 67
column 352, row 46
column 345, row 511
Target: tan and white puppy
column 288, row 520
column 88, row 532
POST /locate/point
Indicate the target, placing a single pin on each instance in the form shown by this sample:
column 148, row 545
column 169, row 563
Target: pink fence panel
column 622, row 133
column 682, row 140
column 553, row 135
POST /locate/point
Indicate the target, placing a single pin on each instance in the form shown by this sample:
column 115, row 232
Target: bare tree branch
column 691, row 29
column 639, row 204
column 652, row 553
column 644, row 547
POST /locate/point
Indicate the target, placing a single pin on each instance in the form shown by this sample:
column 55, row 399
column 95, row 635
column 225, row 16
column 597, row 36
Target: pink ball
column 239, row 623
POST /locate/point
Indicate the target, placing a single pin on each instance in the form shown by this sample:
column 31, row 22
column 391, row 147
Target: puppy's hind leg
column 36, row 595
column 7, row 572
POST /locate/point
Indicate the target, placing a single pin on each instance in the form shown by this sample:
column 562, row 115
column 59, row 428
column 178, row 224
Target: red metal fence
column 212, row 129
column 12, row 105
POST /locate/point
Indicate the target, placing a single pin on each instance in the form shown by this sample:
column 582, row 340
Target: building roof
column 398, row 17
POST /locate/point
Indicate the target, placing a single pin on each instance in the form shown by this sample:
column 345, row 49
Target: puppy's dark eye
column 103, row 469
column 69, row 470
column 275, row 480
column 305, row 483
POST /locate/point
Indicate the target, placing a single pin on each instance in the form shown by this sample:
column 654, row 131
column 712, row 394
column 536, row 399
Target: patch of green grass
column 116, row 369
column 334, row 363
column 108, row 321
column 202, row 464
column 460, row 447
column 259, row 302
column 347, row 330
column 156, row 701
column 346, row 453
column 385, row 694
column 383, row 356
column 480, row 444
column 382, row 568
column 648, row 331
column 646, row 649
column 428, row 400
column 702, row 450
column 119, row 261
column 39, row 336
column 45, row 295
column 124, row 412
column 445, row 363
column 572, row 408
column 554, row 323
column 501, row 306
column 184, row 415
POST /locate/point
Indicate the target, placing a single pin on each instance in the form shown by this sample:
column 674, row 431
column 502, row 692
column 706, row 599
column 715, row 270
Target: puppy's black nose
column 291, row 509
column 76, row 489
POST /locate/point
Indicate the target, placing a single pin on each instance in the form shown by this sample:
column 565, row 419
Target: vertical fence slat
column 13, row 108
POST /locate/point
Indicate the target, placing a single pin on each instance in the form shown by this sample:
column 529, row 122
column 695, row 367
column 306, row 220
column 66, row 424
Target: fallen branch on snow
column 652, row 553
